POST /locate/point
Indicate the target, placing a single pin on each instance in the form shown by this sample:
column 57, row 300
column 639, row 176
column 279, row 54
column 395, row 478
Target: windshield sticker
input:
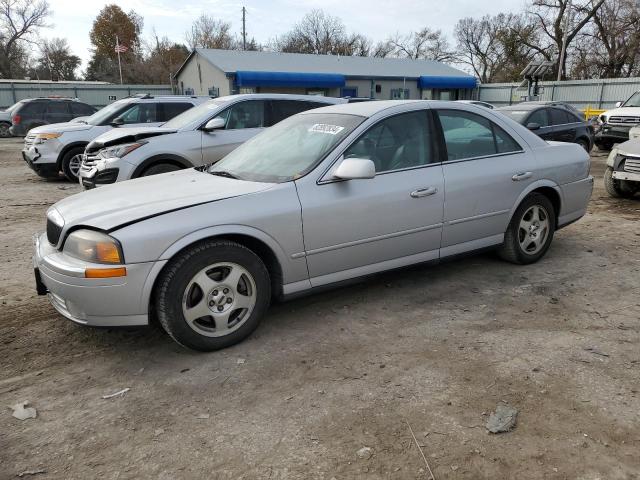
column 325, row 128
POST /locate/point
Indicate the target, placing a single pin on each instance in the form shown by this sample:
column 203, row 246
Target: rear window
column 32, row 108
column 58, row 107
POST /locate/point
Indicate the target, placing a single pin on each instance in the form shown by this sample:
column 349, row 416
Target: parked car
column 34, row 112
column 552, row 121
column 634, row 133
column 622, row 175
column 5, row 120
column 59, row 147
column 199, row 136
column 324, row 196
column 615, row 124
column 478, row 103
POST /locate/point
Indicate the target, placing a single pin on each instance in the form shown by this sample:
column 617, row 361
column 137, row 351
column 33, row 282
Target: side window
column 58, row 108
column 281, row 109
column 559, row 117
column 248, row 114
column 539, row 117
column 170, row 110
column 140, row 113
column 32, row 108
column 401, row 141
column 81, row 109
column 469, row 135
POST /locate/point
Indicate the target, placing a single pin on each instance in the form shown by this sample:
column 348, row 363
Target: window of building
column 399, row 93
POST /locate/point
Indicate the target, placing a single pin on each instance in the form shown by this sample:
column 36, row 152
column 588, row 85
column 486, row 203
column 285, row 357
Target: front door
column 564, row 128
column 541, row 118
column 243, row 120
column 485, row 172
column 357, row 227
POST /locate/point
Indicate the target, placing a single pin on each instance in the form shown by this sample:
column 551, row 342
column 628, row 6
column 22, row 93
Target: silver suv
column 53, row 148
column 202, row 135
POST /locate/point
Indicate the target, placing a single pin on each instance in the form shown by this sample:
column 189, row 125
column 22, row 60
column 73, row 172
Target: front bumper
column 627, row 176
column 104, row 172
column 612, row 134
column 42, row 158
column 99, row 302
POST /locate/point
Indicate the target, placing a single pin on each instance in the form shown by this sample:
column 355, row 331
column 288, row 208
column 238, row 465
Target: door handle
column 424, row 192
column 521, row 176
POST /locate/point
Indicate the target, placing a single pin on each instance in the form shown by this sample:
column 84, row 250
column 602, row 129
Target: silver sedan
column 328, row 195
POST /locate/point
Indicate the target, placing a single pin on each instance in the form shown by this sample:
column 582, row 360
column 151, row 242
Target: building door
column 349, row 92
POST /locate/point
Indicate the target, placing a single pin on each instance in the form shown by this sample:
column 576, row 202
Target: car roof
column 281, row 96
column 364, row 109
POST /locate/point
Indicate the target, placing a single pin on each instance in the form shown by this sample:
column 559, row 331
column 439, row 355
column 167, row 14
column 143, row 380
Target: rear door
column 564, row 129
column 485, row 171
column 168, row 110
column 58, row 112
column 243, row 120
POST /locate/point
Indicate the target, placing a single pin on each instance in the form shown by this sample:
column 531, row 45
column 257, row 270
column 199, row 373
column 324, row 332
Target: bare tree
column 19, row 22
column 208, row 32
column 551, row 15
column 56, row 61
column 426, row 44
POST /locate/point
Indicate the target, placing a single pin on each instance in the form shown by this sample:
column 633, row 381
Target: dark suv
column 34, row 112
column 552, row 121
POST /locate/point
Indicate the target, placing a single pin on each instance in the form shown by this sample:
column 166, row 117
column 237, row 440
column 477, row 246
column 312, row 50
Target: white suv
column 615, row 124
column 199, row 136
column 58, row 147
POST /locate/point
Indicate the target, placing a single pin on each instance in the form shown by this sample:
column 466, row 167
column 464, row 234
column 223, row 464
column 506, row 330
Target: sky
column 377, row 19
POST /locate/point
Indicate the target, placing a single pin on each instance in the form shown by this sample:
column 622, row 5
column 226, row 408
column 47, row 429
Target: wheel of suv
column 584, row 143
column 212, row 295
column 4, row 130
column 604, row 146
column 71, row 163
column 530, row 231
column 158, row 168
column 617, row 188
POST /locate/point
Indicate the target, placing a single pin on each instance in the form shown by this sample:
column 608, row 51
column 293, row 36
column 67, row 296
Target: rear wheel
column 4, row 130
column 604, row 146
column 71, row 163
column 212, row 295
column 617, row 188
column 584, row 143
column 159, row 168
column 530, row 231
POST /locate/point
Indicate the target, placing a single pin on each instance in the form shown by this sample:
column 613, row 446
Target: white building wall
column 199, row 75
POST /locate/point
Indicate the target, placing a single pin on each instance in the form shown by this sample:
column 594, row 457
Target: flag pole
column 119, row 64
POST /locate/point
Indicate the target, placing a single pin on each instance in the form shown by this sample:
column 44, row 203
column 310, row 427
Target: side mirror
column 355, row 168
column 533, row 126
column 214, row 124
column 618, row 104
column 117, row 122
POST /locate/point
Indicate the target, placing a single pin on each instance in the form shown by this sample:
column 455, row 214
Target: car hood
column 630, row 148
column 61, row 128
column 119, row 204
column 121, row 135
column 623, row 112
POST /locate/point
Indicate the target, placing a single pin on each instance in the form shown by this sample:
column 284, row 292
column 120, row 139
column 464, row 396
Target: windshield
column 634, row 100
column 202, row 111
column 107, row 113
column 289, row 149
column 517, row 115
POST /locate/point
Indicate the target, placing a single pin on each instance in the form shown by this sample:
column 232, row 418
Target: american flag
column 121, row 48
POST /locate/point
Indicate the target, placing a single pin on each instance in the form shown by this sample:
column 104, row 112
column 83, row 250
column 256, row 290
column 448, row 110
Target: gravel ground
column 429, row 350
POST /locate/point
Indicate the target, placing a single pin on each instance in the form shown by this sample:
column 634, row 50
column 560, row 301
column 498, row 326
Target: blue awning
column 289, row 79
column 447, row 82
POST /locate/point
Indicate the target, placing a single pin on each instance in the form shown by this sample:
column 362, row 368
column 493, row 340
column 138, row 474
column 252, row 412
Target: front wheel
column 159, row 168
column 4, row 130
column 212, row 295
column 71, row 163
column 530, row 231
column 617, row 188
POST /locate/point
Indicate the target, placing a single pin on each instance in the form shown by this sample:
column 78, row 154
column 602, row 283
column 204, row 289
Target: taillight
column 16, row 119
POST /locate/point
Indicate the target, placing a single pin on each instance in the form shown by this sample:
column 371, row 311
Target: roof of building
column 232, row 61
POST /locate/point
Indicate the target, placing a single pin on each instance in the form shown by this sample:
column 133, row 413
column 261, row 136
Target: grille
column 29, row 139
column 89, row 161
column 632, row 165
column 53, row 232
column 624, row 120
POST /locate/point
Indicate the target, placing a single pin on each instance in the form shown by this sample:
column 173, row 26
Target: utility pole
column 563, row 51
column 119, row 64
column 244, row 28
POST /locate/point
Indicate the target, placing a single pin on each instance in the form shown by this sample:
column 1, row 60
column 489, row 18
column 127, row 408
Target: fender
column 533, row 186
column 64, row 151
column 172, row 158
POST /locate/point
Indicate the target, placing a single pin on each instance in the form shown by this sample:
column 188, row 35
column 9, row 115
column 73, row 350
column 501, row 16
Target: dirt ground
column 435, row 349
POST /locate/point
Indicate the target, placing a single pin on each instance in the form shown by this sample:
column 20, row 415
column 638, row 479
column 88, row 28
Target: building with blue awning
column 224, row 72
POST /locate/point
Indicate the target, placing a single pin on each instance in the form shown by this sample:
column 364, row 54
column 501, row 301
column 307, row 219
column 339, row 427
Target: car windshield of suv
column 634, row 100
column 287, row 150
column 105, row 113
column 517, row 115
column 202, row 112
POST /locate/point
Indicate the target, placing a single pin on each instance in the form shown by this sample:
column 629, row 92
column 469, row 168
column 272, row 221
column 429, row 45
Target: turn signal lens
column 105, row 272
column 107, row 252
column 47, row 136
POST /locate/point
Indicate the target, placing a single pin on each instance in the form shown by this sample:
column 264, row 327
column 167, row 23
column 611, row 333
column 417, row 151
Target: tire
column 159, row 168
column 520, row 245
column 584, row 143
column 604, row 146
column 4, row 130
column 71, row 163
column 617, row 188
column 198, row 280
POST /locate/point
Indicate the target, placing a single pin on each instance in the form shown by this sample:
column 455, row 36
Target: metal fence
column 583, row 94
column 96, row 94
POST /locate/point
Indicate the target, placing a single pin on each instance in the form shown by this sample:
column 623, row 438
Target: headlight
column 119, row 151
column 55, row 217
column 602, row 119
column 43, row 137
column 94, row 247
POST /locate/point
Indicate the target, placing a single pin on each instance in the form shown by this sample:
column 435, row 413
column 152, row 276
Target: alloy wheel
column 74, row 164
column 533, row 229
